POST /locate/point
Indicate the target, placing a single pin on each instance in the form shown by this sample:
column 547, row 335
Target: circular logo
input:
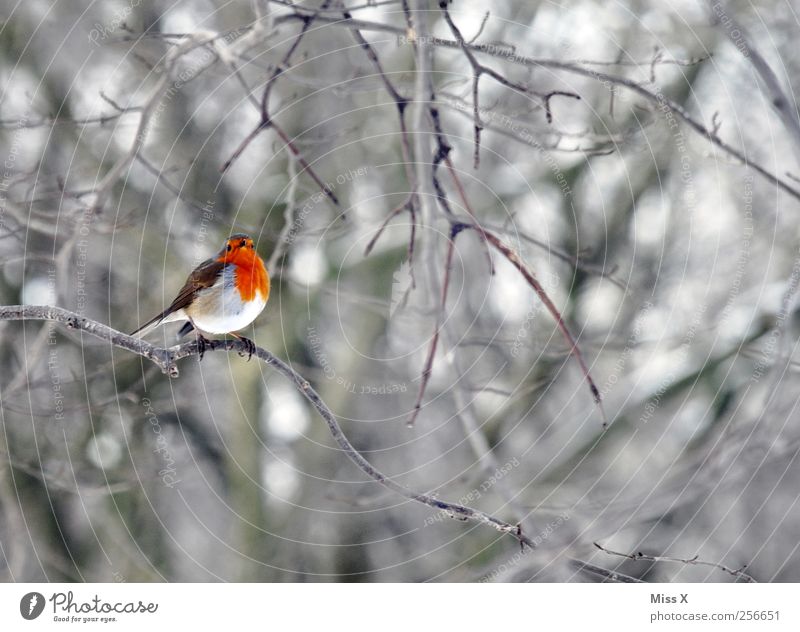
column 31, row 605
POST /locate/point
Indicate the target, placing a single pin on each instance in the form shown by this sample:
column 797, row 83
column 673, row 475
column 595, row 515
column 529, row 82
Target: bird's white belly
column 221, row 310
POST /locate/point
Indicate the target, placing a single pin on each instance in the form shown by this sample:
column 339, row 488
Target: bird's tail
column 149, row 326
column 160, row 320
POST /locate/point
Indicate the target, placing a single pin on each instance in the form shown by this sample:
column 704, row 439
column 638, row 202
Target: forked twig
column 267, row 121
column 479, row 69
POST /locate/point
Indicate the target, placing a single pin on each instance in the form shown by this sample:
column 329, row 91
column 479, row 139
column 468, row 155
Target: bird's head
column 237, row 248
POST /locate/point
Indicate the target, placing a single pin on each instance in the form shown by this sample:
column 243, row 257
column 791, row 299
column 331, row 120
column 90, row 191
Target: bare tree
column 534, row 269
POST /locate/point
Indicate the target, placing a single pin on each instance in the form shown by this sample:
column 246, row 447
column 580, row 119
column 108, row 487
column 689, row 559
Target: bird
column 221, row 296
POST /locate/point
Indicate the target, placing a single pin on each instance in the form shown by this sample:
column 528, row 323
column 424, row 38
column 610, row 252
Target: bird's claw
column 202, row 343
column 250, row 347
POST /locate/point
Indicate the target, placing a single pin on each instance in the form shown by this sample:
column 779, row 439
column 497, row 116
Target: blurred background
column 670, row 250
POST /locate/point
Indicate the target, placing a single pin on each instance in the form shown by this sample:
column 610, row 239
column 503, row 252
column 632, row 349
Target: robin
column 221, row 296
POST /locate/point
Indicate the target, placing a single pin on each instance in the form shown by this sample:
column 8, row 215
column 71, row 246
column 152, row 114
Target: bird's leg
column 249, row 344
column 202, row 342
column 188, row 326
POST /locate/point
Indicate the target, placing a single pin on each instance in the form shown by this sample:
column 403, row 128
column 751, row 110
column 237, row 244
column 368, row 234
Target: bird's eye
column 229, row 247
column 252, row 246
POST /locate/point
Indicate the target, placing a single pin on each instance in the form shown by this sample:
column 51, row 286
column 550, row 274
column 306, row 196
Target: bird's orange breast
column 251, row 274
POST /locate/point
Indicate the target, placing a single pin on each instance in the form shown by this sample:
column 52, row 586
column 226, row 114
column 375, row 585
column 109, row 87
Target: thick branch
column 161, row 357
column 166, row 358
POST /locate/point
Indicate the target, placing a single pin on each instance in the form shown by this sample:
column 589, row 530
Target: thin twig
column 574, row 260
column 162, row 178
column 692, row 561
column 579, row 67
column 427, row 368
column 106, row 184
column 513, row 258
column 401, row 102
column 405, row 204
column 290, row 225
column 267, row 122
column 612, row 576
column 479, row 69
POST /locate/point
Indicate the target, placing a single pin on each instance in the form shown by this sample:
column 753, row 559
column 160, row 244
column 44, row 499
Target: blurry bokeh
column 673, row 262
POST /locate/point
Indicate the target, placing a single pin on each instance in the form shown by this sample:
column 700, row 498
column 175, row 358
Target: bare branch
column 290, row 225
column 657, row 98
column 612, row 576
column 405, row 204
column 693, row 561
column 427, row 368
column 104, row 188
column 479, row 69
column 267, row 122
column 785, row 107
column 517, row 262
column 166, row 358
column 401, row 103
column 163, row 358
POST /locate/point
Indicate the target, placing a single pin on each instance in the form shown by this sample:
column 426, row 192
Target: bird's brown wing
column 203, row 276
